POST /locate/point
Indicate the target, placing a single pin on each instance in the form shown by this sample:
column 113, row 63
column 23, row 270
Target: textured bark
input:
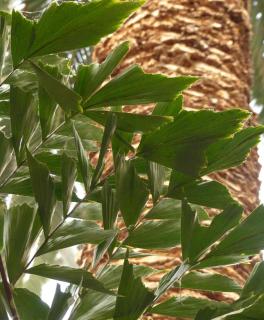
column 206, row 38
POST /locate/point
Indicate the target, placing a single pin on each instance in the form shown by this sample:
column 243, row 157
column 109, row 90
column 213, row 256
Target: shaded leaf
column 255, row 282
column 156, row 177
column 66, row 274
column 68, row 176
column 6, row 152
column 134, row 86
column 65, row 97
column 44, row 192
column 75, row 232
column 133, row 297
column 169, row 108
column 89, row 78
column 60, row 304
column 132, row 193
column 166, row 208
column 20, row 229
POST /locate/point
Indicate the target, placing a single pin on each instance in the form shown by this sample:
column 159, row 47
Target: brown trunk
column 206, row 38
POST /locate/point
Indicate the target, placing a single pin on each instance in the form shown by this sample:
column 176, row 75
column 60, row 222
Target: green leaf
column 168, row 280
column 82, row 160
column 29, row 305
column 75, row 232
column 6, row 152
column 20, row 229
column 109, row 206
column 210, row 194
column 203, row 238
column 89, row 78
column 66, row 274
column 181, row 145
column 23, row 120
column 2, row 217
column 255, row 282
column 134, row 87
column 232, row 152
column 172, row 108
column 208, row 282
column 130, row 122
column 88, row 211
column 188, row 221
column 156, row 177
column 227, row 260
column 155, row 235
column 110, row 127
column 68, row 176
column 247, row 238
column 50, row 115
column 111, row 275
column 44, row 192
column 60, row 304
column 186, row 307
column 166, row 208
column 132, row 193
column 65, row 97
column 133, row 297
column 95, row 306
column 21, row 37
column 74, row 25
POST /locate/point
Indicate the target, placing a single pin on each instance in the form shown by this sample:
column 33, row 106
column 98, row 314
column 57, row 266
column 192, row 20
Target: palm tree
column 210, row 39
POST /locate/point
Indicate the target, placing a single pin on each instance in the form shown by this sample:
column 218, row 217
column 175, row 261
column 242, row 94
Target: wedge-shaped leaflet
column 169, row 108
column 66, row 274
column 82, row 160
column 210, row 194
column 75, row 232
column 166, row 208
column 181, row 145
column 233, row 151
column 110, row 127
column 156, row 176
column 20, row 229
column 130, row 122
column 60, row 304
column 94, row 305
column 168, row 280
column 44, row 192
column 132, row 193
column 255, row 283
column 68, row 176
column 29, row 305
column 134, row 86
column 247, row 238
column 6, row 152
column 199, row 238
column 186, row 307
column 89, row 78
column 67, row 27
column 133, row 297
column 208, row 282
column 2, row 215
column 155, row 235
column 68, row 99
column 111, row 275
column 23, row 120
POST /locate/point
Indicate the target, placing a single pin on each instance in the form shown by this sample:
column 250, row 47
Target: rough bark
column 206, row 38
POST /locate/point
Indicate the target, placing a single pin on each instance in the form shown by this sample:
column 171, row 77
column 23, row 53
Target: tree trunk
column 206, row 38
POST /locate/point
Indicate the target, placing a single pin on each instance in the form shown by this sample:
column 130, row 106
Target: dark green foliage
column 80, row 170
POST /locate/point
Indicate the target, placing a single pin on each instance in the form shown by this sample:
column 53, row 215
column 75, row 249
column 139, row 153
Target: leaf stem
column 8, row 291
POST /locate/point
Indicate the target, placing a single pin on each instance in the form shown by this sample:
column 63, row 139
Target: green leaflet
column 60, row 304
column 23, row 120
column 75, row 232
column 130, row 122
column 21, row 227
column 67, row 27
column 44, row 192
column 132, row 193
column 156, row 176
column 68, row 99
column 133, row 297
column 255, row 283
column 181, row 145
column 134, row 86
column 90, row 77
column 6, row 152
column 66, row 274
column 68, row 176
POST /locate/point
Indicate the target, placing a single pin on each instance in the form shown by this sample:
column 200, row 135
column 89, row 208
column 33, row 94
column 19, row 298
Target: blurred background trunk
column 206, row 38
